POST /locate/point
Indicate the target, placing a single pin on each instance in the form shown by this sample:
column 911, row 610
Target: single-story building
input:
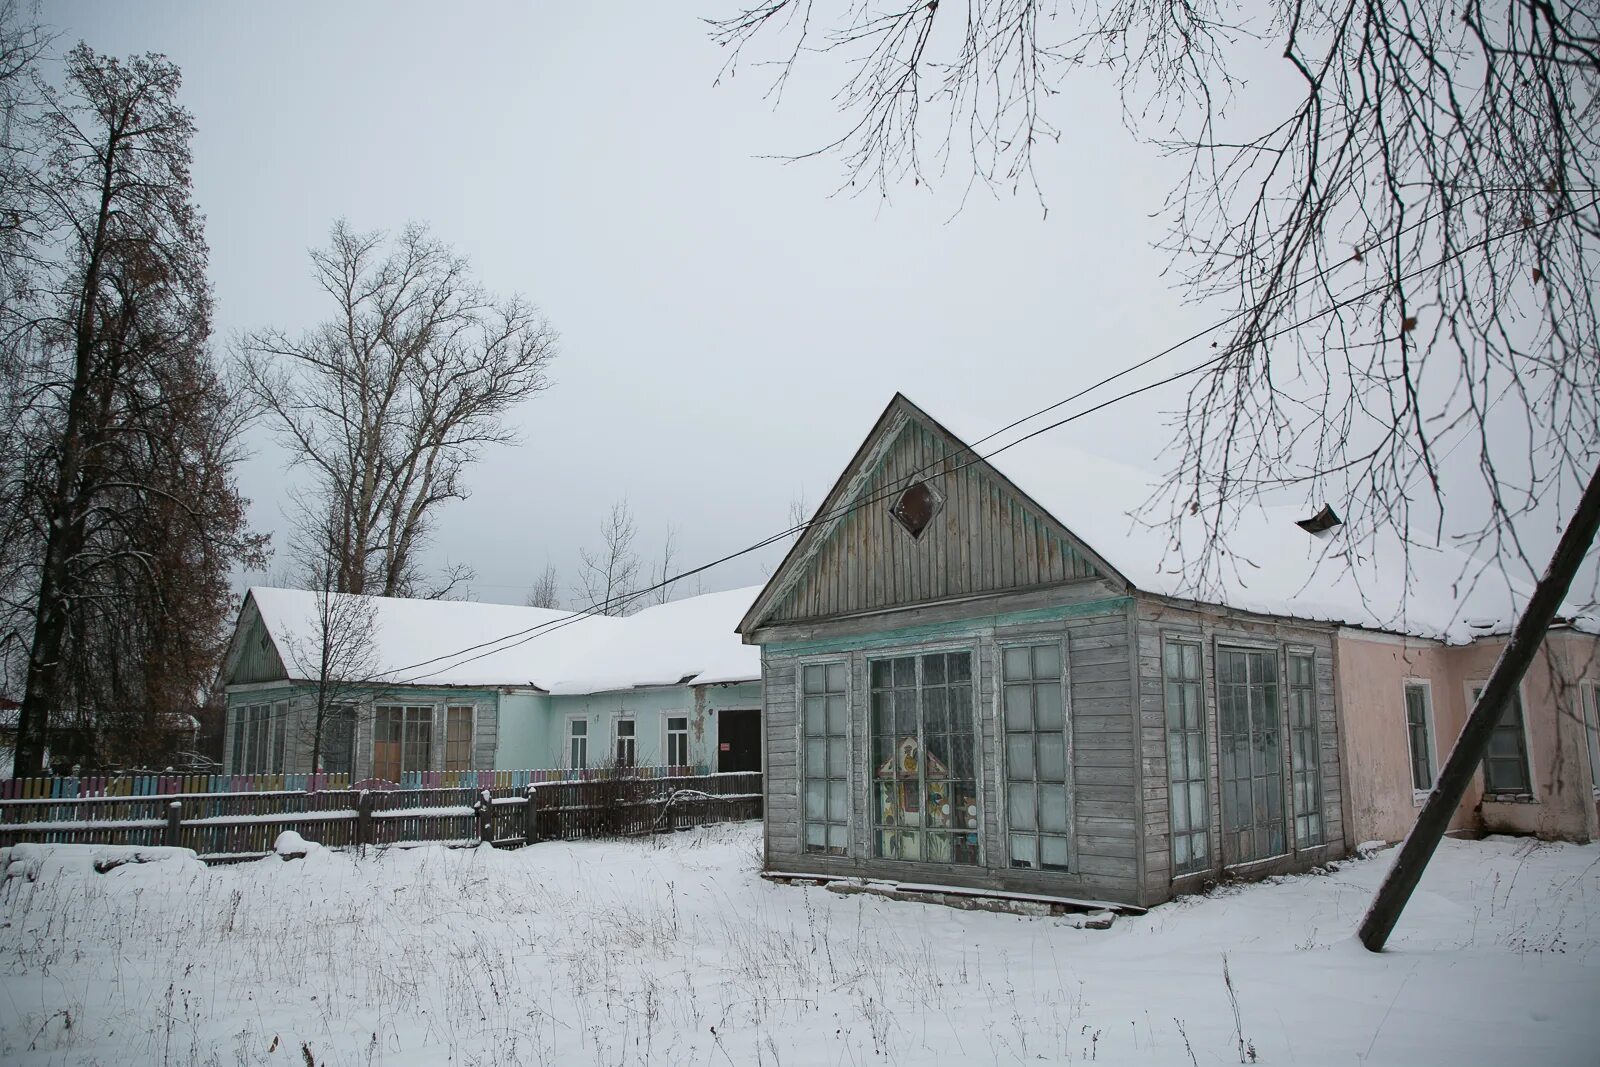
column 444, row 686
column 986, row 673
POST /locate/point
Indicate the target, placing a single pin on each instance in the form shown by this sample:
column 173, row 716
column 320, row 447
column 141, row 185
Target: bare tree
column 389, row 401
column 660, row 588
column 608, row 575
column 119, row 519
column 545, row 592
column 340, row 648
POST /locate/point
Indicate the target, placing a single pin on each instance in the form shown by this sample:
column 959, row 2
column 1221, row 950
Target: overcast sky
column 729, row 329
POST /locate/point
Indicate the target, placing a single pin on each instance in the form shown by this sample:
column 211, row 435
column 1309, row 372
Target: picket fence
column 151, row 785
column 225, row 826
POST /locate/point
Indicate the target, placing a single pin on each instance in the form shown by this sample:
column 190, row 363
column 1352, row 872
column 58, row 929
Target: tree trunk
column 1470, row 747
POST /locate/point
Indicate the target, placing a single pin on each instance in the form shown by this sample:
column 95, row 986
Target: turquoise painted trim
column 961, row 628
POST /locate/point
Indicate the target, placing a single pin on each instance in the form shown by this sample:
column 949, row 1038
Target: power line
column 521, row 637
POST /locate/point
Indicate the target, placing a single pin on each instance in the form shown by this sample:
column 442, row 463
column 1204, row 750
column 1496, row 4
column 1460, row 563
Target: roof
column 1272, row 566
column 463, row 643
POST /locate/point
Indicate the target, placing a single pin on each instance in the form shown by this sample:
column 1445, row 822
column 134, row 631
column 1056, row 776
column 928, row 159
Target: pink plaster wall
column 1372, row 672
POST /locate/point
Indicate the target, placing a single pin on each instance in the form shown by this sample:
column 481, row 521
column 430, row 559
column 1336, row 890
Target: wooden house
column 985, row 674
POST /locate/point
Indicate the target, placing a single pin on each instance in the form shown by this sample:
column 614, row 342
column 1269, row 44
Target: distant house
column 460, row 686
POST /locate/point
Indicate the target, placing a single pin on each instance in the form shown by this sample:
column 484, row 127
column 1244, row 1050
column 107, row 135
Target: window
column 578, row 744
column 1189, row 801
column 826, row 774
column 916, row 508
column 402, row 741
column 1034, row 710
column 1305, row 757
column 1250, row 754
column 923, row 758
column 458, row 739
column 339, row 739
column 1505, row 765
column 677, row 740
column 1419, row 734
column 260, row 736
column 627, row 743
column 1591, row 721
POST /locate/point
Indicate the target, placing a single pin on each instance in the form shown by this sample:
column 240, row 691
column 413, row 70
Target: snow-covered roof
column 445, row 642
column 1276, row 568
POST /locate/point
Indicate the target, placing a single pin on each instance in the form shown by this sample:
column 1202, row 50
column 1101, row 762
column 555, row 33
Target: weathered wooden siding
column 1211, row 627
column 983, row 539
column 256, row 658
column 1101, row 734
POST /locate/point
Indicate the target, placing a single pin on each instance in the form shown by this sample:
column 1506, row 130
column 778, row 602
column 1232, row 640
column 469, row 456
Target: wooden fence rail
column 222, row 826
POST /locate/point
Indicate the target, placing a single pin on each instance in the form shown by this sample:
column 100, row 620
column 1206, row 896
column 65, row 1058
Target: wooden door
column 738, row 740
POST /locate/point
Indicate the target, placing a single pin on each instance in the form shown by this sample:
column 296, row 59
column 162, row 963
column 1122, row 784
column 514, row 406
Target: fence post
column 364, row 819
column 485, row 810
column 530, row 817
column 174, row 823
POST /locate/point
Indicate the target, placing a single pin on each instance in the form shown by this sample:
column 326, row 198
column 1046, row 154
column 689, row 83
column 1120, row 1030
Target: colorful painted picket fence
column 153, row 785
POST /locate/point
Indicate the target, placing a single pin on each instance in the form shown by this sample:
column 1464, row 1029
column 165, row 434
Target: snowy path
column 672, row 951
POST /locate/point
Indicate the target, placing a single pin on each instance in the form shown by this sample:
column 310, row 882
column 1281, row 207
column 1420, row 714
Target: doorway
column 1250, row 754
column 738, row 740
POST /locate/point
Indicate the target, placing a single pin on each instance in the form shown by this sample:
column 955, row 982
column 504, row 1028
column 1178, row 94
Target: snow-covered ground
column 672, row 950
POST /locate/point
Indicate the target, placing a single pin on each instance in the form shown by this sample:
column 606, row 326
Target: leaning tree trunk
column 1470, row 747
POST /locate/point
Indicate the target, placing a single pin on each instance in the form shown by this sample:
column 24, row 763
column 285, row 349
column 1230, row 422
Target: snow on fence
column 69, row 787
column 241, row 825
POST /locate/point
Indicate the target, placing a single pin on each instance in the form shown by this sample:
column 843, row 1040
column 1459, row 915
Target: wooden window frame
column 455, row 759
column 1209, row 860
column 1494, row 796
column 1290, row 689
column 827, row 822
column 917, row 653
column 411, row 719
column 1004, row 733
column 1220, row 646
column 1589, row 694
column 632, row 737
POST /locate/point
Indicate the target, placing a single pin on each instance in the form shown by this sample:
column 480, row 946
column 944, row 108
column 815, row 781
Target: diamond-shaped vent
column 916, row 508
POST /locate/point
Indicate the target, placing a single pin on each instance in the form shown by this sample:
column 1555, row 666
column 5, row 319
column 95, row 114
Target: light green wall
column 524, row 739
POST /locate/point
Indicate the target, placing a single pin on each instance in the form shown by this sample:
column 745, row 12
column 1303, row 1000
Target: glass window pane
column 815, row 715
column 905, row 672
column 1052, row 758
column 1016, row 664
column 816, row 799
column 814, row 678
column 836, row 715
column 1047, row 661
column 933, row 670
column 1053, row 853
column 816, row 757
column 837, row 837
column 837, row 759
column 837, row 801
column 1191, row 662
column 1053, row 808
column 958, row 667
column 1048, row 711
column 836, row 677
column 1018, row 707
column 1023, row 851
column 882, row 673
column 1019, row 756
column 1021, row 812
column 816, row 835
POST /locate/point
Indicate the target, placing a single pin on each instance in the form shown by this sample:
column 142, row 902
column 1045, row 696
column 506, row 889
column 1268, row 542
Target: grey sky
column 729, row 330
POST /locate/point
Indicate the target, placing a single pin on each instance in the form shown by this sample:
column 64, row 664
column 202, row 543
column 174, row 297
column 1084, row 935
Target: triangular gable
column 986, row 537
column 252, row 653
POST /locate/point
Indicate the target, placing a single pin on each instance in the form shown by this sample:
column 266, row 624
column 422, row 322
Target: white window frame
column 1418, row 796
column 1527, row 749
column 667, row 734
column 567, row 739
column 850, row 805
column 917, row 651
column 632, row 738
column 1011, row 641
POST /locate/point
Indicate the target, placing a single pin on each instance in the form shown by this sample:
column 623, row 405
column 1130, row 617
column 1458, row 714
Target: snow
column 675, row 950
column 1279, row 569
column 291, row 845
column 418, row 641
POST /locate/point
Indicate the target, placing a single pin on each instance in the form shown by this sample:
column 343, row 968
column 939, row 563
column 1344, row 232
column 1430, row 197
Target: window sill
column 1510, row 798
column 1419, row 797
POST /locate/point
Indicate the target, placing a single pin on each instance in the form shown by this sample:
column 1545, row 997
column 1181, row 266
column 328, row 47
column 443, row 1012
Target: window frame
column 669, row 735
column 1002, row 734
column 1425, row 685
column 1500, row 796
column 408, row 743
column 569, row 738
column 340, row 712
column 850, row 806
column 1294, row 814
column 632, row 737
column 917, row 652
column 1212, row 858
column 470, row 741
column 1219, row 646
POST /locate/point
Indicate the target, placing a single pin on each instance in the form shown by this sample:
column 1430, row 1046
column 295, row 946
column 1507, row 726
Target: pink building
column 1404, row 700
